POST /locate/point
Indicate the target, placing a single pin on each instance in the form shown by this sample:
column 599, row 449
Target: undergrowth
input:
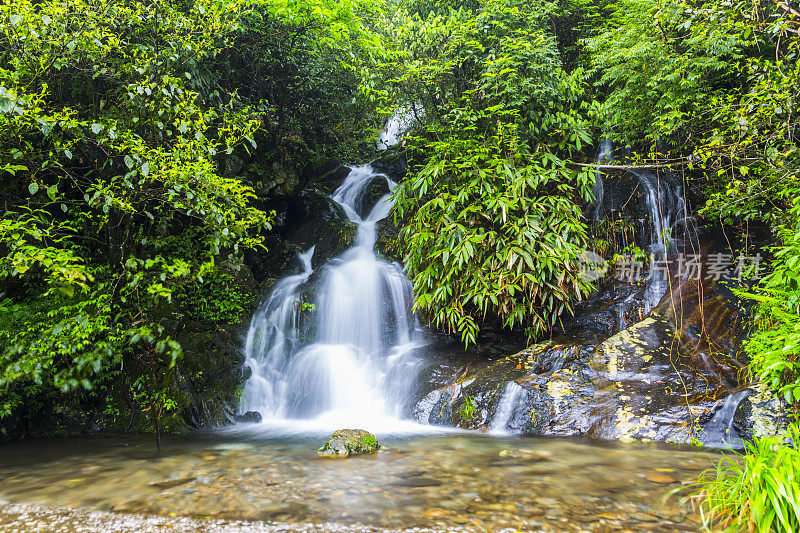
column 758, row 491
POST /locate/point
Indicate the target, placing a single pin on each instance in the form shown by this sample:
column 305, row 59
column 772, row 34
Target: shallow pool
column 438, row 481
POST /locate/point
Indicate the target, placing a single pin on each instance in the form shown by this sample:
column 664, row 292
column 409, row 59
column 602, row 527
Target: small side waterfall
column 598, row 189
column 274, row 331
column 358, row 365
column 392, row 133
column 667, row 208
column 719, row 430
column 504, row 415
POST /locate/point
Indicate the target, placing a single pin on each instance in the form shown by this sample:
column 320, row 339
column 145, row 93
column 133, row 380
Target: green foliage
column 217, row 299
column 492, row 225
column 775, row 347
column 114, row 202
column 708, row 86
column 467, row 410
column 301, row 65
column 757, row 492
column 130, row 134
column 661, row 61
column 61, row 342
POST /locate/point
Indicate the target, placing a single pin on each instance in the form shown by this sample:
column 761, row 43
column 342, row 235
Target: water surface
column 438, row 481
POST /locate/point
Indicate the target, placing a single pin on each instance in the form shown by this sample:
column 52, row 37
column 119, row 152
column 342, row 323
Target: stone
column 652, row 381
column 435, row 512
column 250, row 417
column 170, row 483
column 377, row 189
column 347, row 442
column 657, row 477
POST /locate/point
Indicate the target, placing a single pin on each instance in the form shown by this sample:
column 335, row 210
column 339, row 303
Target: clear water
column 445, row 481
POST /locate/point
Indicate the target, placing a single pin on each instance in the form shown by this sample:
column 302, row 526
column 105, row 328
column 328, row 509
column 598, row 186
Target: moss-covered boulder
column 347, row 442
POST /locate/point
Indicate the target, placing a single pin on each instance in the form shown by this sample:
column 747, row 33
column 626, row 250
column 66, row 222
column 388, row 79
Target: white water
column 504, row 415
column 720, row 431
column 397, row 126
column 355, row 364
column 667, row 208
column 598, row 189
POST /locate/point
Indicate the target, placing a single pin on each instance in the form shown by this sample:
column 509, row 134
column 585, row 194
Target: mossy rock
column 347, row 442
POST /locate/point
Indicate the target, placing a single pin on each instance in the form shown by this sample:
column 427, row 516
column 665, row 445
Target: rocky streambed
column 246, row 481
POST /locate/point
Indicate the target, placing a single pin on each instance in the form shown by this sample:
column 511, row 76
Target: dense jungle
column 531, row 265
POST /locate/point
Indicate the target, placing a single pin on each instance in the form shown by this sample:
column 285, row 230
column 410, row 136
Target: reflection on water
column 434, row 481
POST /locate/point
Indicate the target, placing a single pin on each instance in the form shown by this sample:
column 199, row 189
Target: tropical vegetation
column 147, row 147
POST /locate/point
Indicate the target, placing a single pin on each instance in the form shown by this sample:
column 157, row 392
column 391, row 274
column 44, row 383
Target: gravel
column 29, row 517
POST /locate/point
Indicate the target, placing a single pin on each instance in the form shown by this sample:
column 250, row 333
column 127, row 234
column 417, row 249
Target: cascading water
column 397, row 126
column 667, row 209
column 598, row 189
column 274, row 332
column 504, row 415
column 720, row 430
column 358, row 364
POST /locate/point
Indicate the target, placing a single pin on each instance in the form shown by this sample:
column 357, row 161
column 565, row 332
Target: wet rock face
column 347, row 442
column 761, row 414
column 311, row 219
column 377, row 189
column 608, row 311
column 629, row 197
column 668, row 377
column 392, row 162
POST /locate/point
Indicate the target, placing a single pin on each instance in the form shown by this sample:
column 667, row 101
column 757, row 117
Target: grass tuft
column 758, row 491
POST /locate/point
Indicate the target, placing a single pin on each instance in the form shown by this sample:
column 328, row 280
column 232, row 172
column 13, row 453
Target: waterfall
column 719, row 430
column 397, row 126
column 598, row 189
column 666, row 205
column 273, row 332
column 504, row 414
column 358, row 364
column 666, row 208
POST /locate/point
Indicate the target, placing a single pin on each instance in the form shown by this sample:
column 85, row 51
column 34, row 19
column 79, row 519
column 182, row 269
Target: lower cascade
column 355, row 363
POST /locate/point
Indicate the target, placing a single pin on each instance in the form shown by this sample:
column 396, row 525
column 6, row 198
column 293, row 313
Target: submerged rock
column 347, row 442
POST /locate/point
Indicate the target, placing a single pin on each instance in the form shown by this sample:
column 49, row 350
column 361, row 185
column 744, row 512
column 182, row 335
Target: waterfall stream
column 504, row 415
column 357, row 362
column 720, row 430
column 605, row 155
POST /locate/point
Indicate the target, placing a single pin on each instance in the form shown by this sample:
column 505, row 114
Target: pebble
column 656, row 477
column 169, row 483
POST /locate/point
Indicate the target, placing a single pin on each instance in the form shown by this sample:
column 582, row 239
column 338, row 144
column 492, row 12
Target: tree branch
column 627, row 167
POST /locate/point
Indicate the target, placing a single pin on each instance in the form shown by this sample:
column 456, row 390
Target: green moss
column 347, row 442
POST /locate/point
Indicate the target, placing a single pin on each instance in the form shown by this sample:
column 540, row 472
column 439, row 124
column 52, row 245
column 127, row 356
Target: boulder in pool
column 347, row 442
column 250, row 417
